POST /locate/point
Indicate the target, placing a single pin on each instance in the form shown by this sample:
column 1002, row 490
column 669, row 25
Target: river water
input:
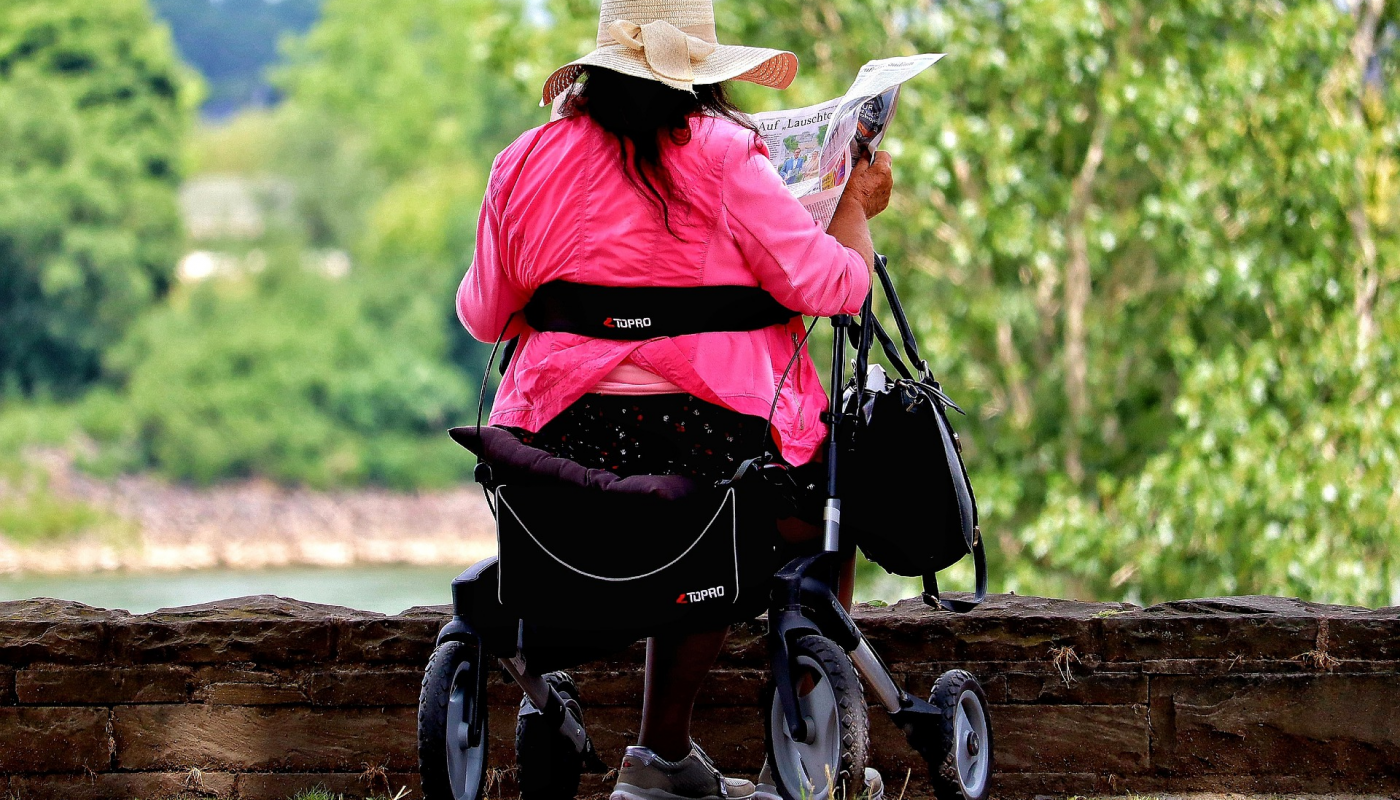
column 387, row 589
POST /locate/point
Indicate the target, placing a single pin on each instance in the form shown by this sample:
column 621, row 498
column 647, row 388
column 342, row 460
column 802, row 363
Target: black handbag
column 905, row 492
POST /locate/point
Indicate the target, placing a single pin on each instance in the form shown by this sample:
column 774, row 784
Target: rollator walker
column 815, row 712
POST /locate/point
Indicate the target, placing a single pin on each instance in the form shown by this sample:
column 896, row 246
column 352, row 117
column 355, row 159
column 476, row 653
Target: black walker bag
column 905, row 493
column 590, row 550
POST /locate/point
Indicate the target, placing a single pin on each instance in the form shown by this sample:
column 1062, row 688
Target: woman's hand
column 867, row 194
column 870, row 184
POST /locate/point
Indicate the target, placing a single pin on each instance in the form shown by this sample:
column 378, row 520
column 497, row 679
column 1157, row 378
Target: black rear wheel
column 548, row 764
column 965, row 771
column 831, row 762
column 452, row 734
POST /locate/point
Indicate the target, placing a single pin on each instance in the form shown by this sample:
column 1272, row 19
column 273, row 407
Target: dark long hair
column 638, row 112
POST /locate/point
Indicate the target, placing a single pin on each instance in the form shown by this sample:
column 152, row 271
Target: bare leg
column 676, row 666
column 846, row 583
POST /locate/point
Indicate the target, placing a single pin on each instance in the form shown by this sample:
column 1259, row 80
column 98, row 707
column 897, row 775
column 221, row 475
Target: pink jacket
column 569, row 212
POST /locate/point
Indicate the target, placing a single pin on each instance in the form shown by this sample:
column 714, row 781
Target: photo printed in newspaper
column 814, row 148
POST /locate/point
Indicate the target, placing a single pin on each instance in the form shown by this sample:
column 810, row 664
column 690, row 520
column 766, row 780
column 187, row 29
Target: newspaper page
column 814, row 148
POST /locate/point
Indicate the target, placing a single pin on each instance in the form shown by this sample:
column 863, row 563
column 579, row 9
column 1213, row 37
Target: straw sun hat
column 672, row 41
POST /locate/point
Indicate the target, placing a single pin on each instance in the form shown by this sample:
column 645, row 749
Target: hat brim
column 761, row 65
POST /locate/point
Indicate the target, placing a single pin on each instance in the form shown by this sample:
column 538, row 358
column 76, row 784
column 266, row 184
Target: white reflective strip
column 832, row 513
column 728, row 500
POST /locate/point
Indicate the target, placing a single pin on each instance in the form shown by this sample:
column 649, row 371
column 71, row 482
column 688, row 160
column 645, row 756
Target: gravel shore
column 254, row 524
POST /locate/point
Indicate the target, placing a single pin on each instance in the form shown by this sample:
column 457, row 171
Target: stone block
column 222, row 685
column 53, row 739
column 263, row 738
column 396, row 640
column 1004, row 628
column 251, row 694
column 1343, row 727
column 54, row 631
column 1221, row 629
column 7, row 686
column 722, row 687
column 76, row 686
column 1071, row 739
column 109, row 785
column 1368, row 636
column 264, row 630
column 613, row 687
column 365, row 687
column 1094, row 688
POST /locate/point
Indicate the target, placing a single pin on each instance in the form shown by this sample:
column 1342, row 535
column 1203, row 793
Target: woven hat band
column 695, row 17
column 705, row 33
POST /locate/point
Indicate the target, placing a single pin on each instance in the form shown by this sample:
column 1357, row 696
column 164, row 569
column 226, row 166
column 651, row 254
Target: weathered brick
column 248, row 687
column 76, row 686
column 1220, row 629
column 53, row 739
column 1332, row 725
column 1114, row 689
column 109, row 785
column 1065, row 738
column 252, row 694
column 1004, row 628
column 722, row 687
column 350, row 785
column 365, row 687
column 397, row 640
column 265, row 630
column 54, row 631
column 1368, row 636
column 263, row 738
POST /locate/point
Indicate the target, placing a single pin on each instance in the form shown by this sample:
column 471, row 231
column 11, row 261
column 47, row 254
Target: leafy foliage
column 295, row 377
column 1149, row 245
column 94, row 110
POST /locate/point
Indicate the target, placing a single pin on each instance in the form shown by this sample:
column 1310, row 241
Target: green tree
column 1115, row 221
column 293, row 376
column 94, row 106
column 1280, row 474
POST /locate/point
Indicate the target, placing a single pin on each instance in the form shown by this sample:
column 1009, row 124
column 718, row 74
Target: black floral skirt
column 662, row 434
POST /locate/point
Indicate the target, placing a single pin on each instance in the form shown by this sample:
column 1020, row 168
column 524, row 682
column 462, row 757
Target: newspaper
column 814, row 148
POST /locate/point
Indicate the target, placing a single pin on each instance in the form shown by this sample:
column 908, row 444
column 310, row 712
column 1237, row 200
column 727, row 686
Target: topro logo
column 634, row 322
column 703, row 594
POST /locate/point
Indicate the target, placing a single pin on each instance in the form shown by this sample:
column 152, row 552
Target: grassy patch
column 320, row 793
column 31, row 513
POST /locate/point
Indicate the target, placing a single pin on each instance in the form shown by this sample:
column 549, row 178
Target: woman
column 652, row 178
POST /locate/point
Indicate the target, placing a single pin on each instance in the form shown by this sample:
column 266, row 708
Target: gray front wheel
column 831, row 762
column 452, row 734
column 965, row 772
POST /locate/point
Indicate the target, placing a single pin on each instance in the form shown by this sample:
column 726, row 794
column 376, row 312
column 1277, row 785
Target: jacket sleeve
column 794, row 260
column 488, row 296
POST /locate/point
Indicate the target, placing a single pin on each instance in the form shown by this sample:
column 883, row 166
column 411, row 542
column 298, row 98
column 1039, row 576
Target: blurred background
column 1152, row 247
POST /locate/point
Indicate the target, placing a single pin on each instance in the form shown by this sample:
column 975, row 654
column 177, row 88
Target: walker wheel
column 831, row 762
column 548, row 764
column 452, row 733
column 965, row 771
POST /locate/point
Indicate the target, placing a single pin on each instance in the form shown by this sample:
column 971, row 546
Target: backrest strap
column 636, row 313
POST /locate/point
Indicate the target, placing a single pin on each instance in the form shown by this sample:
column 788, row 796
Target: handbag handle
column 901, row 320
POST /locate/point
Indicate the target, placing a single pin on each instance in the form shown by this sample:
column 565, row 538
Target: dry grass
column 1061, row 658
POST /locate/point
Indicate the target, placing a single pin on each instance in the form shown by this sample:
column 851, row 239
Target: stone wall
column 264, row 697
